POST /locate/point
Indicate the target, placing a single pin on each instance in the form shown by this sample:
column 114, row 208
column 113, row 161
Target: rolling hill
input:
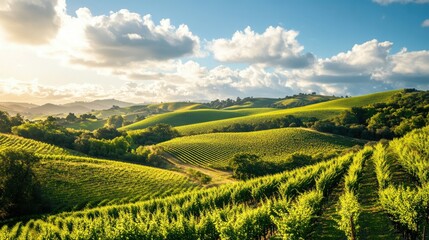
column 322, row 110
column 69, row 181
column 312, row 202
column 273, row 145
column 186, row 117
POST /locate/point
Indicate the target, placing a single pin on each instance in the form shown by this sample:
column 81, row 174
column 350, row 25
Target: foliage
column 349, row 211
column 408, row 207
column 199, row 176
column 7, row 122
column 152, row 135
column 403, row 112
column 206, row 213
column 348, row 208
column 115, row 121
column 19, row 189
column 47, row 132
column 107, row 133
column 71, row 182
column 296, row 221
column 382, row 168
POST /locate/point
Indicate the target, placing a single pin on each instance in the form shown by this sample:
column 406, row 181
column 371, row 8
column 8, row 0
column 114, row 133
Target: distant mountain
column 99, row 104
column 16, row 107
column 31, row 110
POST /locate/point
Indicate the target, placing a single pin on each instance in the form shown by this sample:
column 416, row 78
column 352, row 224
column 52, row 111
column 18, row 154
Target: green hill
column 322, row 110
column 174, row 106
column 185, row 117
column 69, row 181
column 276, row 144
column 302, row 100
column 305, row 203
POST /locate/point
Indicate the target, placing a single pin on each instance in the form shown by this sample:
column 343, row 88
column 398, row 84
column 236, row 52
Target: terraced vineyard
column 217, row 148
column 185, row 117
column 30, row 145
column 322, row 110
column 82, row 182
column 290, row 205
column 223, row 212
column 70, row 181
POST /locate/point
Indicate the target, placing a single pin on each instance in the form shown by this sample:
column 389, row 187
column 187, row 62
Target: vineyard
column 31, row 145
column 74, row 182
column 322, row 110
column 185, row 117
column 218, row 148
column 289, row 205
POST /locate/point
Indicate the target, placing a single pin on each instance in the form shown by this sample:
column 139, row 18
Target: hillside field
column 185, row 117
column 360, row 194
column 320, row 111
column 70, row 181
column 273, row 145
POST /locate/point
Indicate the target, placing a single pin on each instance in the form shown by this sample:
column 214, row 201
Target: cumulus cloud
column 275, row 47
column 425, row 23
column 367, row 58
column 387, row 2
column 124, row 37
column 31, row 22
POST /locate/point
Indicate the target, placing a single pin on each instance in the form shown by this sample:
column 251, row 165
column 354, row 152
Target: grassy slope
column 322, row 110
column 173, row 106
column 275, row 144
column 86, row 125
column 185, row 117
column 302, row 100
column 70, row 181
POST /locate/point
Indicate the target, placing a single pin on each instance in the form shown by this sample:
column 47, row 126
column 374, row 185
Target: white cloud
column 124, row 37
column 31, row 22
column 425, row 23
column 366, row 58
column 275, row 47
column 387, row 2
column 149, row 59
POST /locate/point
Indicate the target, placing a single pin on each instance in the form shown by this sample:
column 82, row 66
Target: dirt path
column 218, row 177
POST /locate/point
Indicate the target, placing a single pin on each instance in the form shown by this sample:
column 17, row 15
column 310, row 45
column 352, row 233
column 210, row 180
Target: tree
column 107, row 132
column 154, row 134
column 19, row 188
column 115, row 121
column 87, row 116
column 71, row 117
column 16, row 120
column 245, row 165
column 5, row 123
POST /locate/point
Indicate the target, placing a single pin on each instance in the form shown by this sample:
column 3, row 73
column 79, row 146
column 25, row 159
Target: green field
column 89, row 125
column 273, row 145
column 185, row 117
column 69, row 181
column 174, row 106
column 322, row 110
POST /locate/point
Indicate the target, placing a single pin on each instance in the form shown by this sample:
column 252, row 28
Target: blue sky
column 88, row 49
column 326, row 27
